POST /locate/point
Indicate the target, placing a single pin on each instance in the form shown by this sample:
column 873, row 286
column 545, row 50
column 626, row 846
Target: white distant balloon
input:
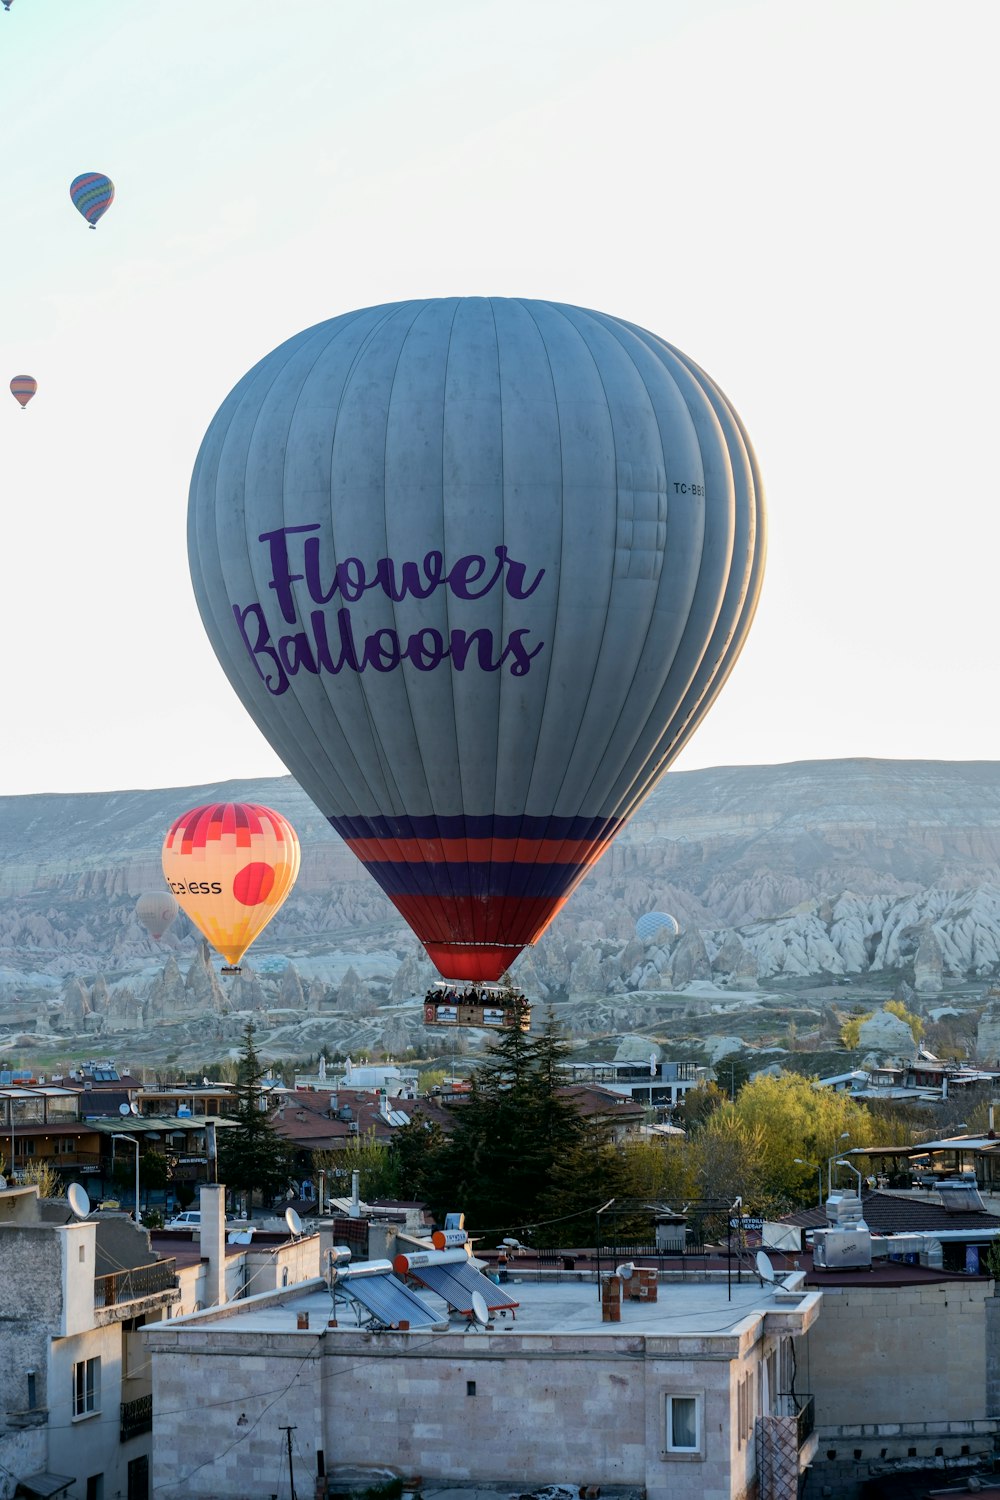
column 657, row 924
column 156, row 910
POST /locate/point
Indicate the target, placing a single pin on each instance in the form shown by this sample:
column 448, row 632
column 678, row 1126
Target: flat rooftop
column 568, row 1307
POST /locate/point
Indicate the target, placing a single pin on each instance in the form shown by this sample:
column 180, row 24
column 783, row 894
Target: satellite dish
column 78, row 1201
column 123, row 1109
column 765, row 1270
column 480, row 1311
column 133, row 1108
column 293, row 1221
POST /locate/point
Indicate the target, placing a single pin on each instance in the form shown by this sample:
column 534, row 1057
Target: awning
column 457, row 1282
column 45, row 1485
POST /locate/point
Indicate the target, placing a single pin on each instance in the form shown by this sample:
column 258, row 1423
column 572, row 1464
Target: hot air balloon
column 22, row 388
column 656, row 922
column 231, row 866
column 477, row 568
column 93, row 194
column 156, row 910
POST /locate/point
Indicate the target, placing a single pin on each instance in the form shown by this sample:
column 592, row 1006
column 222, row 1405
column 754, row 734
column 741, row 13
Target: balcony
column 785, row 1444
column 136, row 1418
column 122, row 1289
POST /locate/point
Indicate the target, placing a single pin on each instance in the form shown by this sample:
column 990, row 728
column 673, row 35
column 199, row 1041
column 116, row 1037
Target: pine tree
column 252, row 1155
column 510, row 1134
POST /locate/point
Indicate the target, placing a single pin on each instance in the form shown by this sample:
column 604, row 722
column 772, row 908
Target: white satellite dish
column 76, row 1197
column 123, row 1109
column 765, row 1270
column 480, row 1311
column 133, row 1108
column 293, row 1221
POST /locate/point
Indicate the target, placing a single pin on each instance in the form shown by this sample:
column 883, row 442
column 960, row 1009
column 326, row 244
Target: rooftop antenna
column 76, row 1197
column 480, row 1312
column 765, row 1269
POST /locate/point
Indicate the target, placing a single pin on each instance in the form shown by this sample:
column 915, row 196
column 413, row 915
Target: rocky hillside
column 846, row 870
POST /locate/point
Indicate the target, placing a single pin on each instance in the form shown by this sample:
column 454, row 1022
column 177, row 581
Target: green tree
column 45, row 1178
column 897, row 1008
column 416, row 1148
column 512, row 1132
column 253, row 1157
column 850, row 1030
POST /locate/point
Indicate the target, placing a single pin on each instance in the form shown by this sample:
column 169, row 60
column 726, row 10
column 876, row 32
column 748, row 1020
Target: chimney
column 211, row 1151
column 213, row 1242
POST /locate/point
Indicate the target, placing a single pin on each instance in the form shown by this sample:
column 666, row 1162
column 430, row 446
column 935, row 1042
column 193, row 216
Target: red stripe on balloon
column 474, row 851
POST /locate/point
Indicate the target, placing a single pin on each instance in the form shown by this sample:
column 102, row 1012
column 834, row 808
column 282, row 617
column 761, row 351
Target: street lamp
column 800, row 1161
column 597, row 1241
column 844, row 1136
column 851, row 1167
column 132, row 1140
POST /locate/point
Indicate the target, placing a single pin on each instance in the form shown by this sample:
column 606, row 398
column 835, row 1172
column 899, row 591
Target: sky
column 798, row 195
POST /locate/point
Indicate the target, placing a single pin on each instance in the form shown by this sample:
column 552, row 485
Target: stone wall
column 480, row 1408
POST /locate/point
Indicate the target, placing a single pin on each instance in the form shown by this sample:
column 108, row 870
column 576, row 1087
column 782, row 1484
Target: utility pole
column 291, row 1470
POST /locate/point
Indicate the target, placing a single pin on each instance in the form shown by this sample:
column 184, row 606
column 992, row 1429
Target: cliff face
column 835, row 868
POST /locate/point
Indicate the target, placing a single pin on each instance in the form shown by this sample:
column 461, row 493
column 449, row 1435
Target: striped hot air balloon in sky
column 231, row 865
column 477, row 567
column 92, row 194
column 22, row 388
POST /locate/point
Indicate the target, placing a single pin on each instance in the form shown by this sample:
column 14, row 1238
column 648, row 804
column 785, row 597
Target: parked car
column 189, row 1219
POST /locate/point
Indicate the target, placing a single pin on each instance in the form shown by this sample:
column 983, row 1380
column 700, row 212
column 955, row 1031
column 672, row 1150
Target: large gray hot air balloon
column 477, row 568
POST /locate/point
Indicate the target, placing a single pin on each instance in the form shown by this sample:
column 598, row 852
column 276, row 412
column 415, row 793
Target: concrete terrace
column 703, row 1308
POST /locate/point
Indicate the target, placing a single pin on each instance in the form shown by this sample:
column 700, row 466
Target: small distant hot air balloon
column 22, row 388
column 93, row 194
column 7, row 4
column 231, row 865
column 156, row 910
column 657, row 923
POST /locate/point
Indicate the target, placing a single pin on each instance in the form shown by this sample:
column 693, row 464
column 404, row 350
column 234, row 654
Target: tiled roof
column 305, row 1119
column 892, row 1213
column 592, row 1100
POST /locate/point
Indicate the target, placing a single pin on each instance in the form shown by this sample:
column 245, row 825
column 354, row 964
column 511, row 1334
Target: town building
column 688, row 1396
column 76, row 1402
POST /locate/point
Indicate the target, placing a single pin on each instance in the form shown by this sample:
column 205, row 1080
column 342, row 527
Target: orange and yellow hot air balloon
column 231, row 865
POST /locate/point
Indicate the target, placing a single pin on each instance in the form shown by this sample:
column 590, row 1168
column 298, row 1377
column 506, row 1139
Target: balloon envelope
column 231, row 865
column 22, row 388
column 654, row 922
column 477, row 568
column 92, row 194
column 156, row 910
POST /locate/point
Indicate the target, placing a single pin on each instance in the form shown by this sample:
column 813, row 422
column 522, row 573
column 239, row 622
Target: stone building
column 76, row 1401
column 691, row 1397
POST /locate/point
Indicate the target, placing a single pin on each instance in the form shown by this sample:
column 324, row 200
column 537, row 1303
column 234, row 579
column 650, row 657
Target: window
column 683, row 1426
column 95, row 1487
column 138, row 1478
column 87, row 1387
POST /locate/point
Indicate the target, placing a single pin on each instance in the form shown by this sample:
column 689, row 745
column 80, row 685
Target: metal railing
column 136, row 1418
column 803, row 1409
column 131, row 1285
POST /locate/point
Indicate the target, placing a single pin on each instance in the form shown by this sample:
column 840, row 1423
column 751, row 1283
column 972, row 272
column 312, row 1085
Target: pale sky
column 799, row 195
